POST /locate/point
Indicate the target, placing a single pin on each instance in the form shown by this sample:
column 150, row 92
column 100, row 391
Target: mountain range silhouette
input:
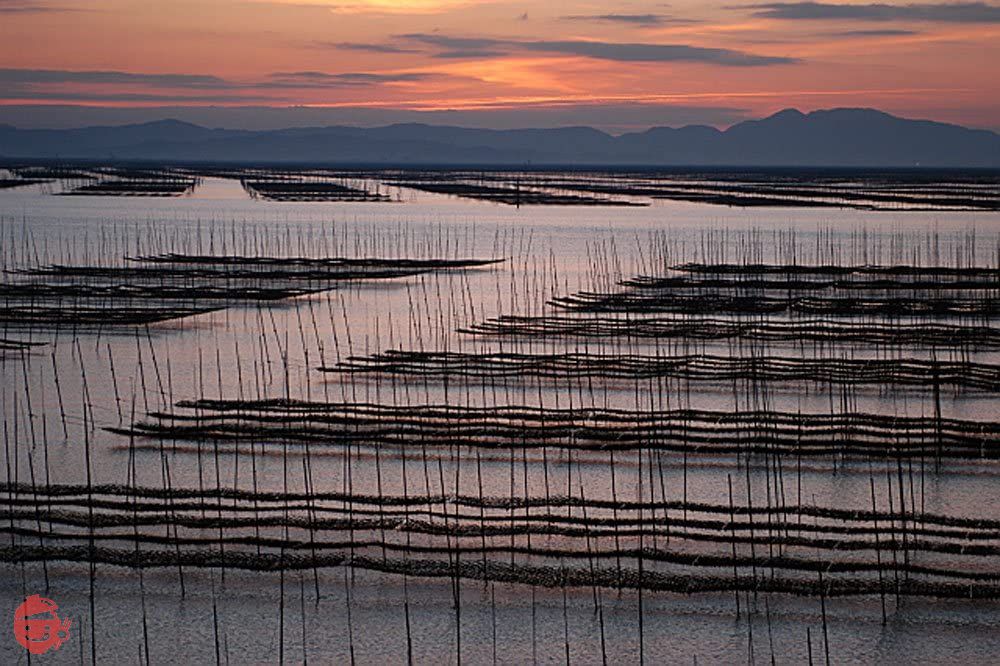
column 830, row 138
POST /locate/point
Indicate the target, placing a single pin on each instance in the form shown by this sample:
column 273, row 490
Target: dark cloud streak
column 22, row 94
column 470, row 54
column 370, row 48
column 642, row 20
column 875, row 33
column 29, row 7
column 964, row 12
column 11, row 76
column 45, row 84
column 348, row 78
column 619, row 52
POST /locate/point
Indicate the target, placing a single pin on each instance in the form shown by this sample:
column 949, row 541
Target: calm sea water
column 550, row 250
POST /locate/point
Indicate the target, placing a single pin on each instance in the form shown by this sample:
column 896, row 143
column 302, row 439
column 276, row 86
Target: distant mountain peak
column 787, row 114
column 171, row 122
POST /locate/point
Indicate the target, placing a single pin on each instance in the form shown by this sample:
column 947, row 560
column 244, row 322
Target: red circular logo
column 37, row 626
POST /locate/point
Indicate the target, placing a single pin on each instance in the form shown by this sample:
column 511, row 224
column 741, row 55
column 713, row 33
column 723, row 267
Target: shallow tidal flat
column 491, row 417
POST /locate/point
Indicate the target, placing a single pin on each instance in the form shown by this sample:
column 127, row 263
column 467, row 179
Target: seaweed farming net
column 411, row 428
column 686, row 548
column 927, row 334
column 695, row 367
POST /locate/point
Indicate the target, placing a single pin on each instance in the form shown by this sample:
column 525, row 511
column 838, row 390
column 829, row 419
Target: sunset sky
column 618, row 66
